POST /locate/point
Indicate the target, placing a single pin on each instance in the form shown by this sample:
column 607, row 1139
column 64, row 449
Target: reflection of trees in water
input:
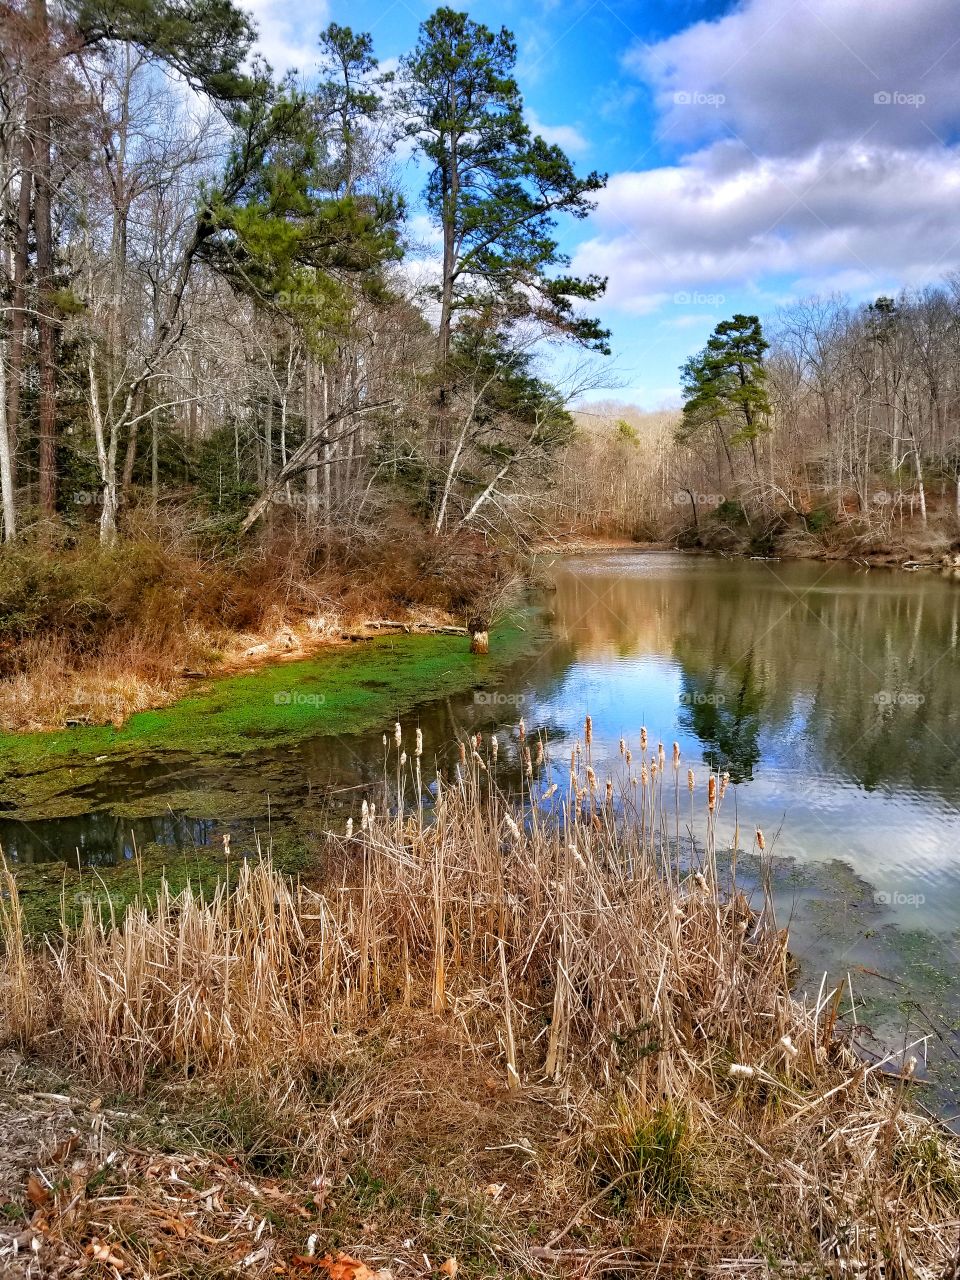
column 861, row 668
column 723, row 709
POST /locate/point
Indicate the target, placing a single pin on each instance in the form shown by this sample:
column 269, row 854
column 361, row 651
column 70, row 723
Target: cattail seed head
column 397, row 733
column 628, row 756
column 463, row 752
column 403, row 758
column 690, row 781
column 609, row 792
column 623, row 747
column 539, row 760
column 588, row 730
column 661, row 755
column 418, row 750
column 349, row 828
column 494, row 746
column 760, row 840
column 712, row 793
column 522, row 729
column 676, row 756
column 643, row 739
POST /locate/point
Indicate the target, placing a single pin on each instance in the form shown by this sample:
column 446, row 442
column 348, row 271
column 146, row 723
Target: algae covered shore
column 343, row 691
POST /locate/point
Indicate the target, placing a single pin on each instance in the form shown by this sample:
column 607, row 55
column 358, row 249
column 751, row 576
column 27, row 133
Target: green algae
column 343, row 691
column 53, row 893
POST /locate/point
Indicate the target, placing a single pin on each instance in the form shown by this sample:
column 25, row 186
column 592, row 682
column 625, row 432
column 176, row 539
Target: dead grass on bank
column 527, row 1044
column 92, row 634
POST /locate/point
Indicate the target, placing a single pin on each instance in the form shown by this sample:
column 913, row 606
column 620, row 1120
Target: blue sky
column 758, row 151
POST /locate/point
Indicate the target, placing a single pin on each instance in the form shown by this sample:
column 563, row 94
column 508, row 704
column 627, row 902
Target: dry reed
column 579, row 956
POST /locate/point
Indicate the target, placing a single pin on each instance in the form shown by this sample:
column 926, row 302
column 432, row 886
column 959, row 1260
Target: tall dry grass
column 582, row 955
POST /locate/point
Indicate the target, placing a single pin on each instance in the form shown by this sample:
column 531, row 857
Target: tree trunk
column 18, row 314
column 43, row 230
column 7, row 496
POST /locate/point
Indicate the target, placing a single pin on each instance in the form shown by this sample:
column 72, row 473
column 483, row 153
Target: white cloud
column 561, row 135
column 288, row 31
column 725, row 219
column 792, row 74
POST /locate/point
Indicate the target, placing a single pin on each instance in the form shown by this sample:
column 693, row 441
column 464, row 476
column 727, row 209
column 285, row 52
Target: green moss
column 344, row 691
column 51, row 892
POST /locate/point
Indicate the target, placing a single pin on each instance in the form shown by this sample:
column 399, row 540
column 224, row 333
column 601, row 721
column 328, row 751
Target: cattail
column 676, row 756
column 653, row 770
column 512, row 827
column 588, row 731
column 573, row 762
column 418, row 749
column 789, row 1047
column 643, row 739
column 521, row 729
column 661, row 755
column 527, row 762
column 480, row 761
column 700, row 880
column 760, row 840
column 738, row 1069
column 690, row 781
column 550, row 791
column 628, row 756
column 384, row 739
column 397, row 733
column 403, row 758
column 591, row 777
column 494, row 746
column 724, row 783
column 609, row 791
column 623, row 747
column 711, row 793
column 226, row 843
column 478, row 741
column 364, row 816
column 643, row 773
column 463, row 752
column 910, row 1066
column 349, row 828
column 373, row 814
column 539, row 759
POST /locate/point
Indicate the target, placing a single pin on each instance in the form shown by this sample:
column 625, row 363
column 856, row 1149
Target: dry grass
column 94, row 634
column 534, row 1042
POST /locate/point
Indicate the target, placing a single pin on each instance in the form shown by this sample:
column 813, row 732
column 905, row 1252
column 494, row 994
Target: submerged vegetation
column 287, row 1069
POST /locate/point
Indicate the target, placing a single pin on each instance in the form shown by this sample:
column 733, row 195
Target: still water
column 830, row 693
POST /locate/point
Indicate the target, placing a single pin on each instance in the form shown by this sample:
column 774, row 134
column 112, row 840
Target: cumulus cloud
column 786, row 75
column 562, row 135
column 288, row 31
column 818, row 144
column 834, row 216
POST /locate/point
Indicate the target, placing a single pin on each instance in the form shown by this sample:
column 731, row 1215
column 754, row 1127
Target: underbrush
column 555, row 1037
column 94, row 633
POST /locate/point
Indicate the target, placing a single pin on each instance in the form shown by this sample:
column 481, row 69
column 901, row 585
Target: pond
column 828, row 692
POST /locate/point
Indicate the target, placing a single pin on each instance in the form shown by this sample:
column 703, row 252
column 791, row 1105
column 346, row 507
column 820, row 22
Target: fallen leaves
column 341, row 1266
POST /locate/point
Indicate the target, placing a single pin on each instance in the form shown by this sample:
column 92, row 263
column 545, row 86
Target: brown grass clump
column 91, row 634
column 526, row 1040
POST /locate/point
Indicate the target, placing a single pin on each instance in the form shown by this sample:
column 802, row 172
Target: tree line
column 219, row 291
column 828, row 414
